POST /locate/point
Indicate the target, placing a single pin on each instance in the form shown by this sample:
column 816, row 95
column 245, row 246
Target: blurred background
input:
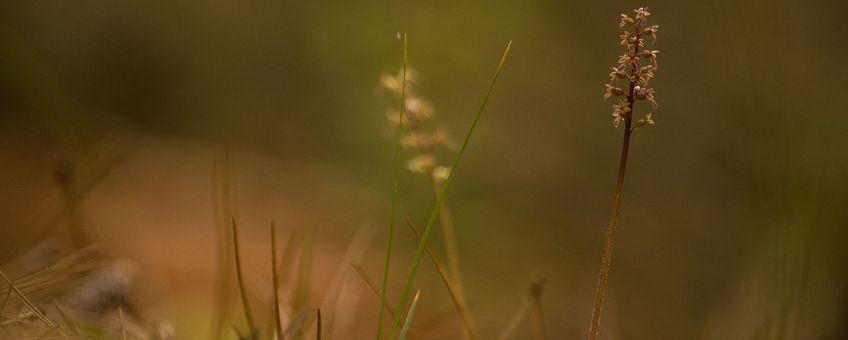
column 734, row 218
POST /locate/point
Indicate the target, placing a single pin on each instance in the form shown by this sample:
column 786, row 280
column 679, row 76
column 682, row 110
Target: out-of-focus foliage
column 734, row 220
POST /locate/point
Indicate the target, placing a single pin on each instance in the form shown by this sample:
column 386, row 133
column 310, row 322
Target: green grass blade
column 435, row 213
column 405, row 329
column 399, row 131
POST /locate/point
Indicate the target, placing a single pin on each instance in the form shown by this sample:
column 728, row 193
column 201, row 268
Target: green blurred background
column 734, row 218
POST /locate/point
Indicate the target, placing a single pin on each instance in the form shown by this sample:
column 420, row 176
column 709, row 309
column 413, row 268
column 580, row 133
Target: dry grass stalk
column 461, row 308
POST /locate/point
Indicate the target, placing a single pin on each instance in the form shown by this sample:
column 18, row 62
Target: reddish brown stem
column 606, row 257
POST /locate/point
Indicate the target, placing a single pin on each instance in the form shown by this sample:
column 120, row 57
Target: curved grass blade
column 435, row 213
column 275, row 277
column 242, row 288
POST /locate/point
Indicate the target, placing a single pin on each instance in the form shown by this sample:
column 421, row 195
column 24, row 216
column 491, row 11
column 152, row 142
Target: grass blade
column 318, row 327
column 276, row 281
column 461, row 309
column 396, row 175
column 242, row 288
column 532, row 304
column 71, row 324
column 333, row 294
column 405, row 329
column 535, row 298
column 224, row 198
column 434, row 214
column 373, row 287
column 303, row 286
column 6, row 298
column 32, row 307
column 121, row 323
column 519, row 315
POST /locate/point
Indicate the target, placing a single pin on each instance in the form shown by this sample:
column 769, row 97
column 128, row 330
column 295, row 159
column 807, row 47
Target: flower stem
column 610, row 239
column 452, row 250
column 606, row 257
column 396, row 175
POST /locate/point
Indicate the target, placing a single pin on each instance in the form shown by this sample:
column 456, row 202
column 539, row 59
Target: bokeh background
column 734, row 218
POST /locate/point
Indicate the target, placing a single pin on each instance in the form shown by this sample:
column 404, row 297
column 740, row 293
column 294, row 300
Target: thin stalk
column 241, row 284
column 318, row 327
column 32, row 307
column 519, row 315
column 300, row 295
column 535, row 298
column 6, row 299
column 452, row 251
column 461, row 308
column 451, row 245
column 276, row 281
column 121, row 321
column 606, row 257
column 396, row 175
column 436, row 207
column 224, row 191
column 71, row 325
column 66, row 176
column 372, row 287
column 409, row 315
column 532, row 304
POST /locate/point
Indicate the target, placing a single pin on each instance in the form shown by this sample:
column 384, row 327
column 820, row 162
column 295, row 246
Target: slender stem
column 276, row 281
column 224, row 187
column 516, row 320
column 452, row 251
column 121, row 321
column 610, row 238
column 399, row 131
column 51, row 326
column 535, row 299
column 461, row 307
column 409, row 315
column 66, row 176
column 318, row 326
column 606, row 257
column 248, row 315
column 419, row 253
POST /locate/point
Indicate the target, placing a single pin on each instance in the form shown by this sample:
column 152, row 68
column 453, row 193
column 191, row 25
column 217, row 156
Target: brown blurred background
column 734, row 219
